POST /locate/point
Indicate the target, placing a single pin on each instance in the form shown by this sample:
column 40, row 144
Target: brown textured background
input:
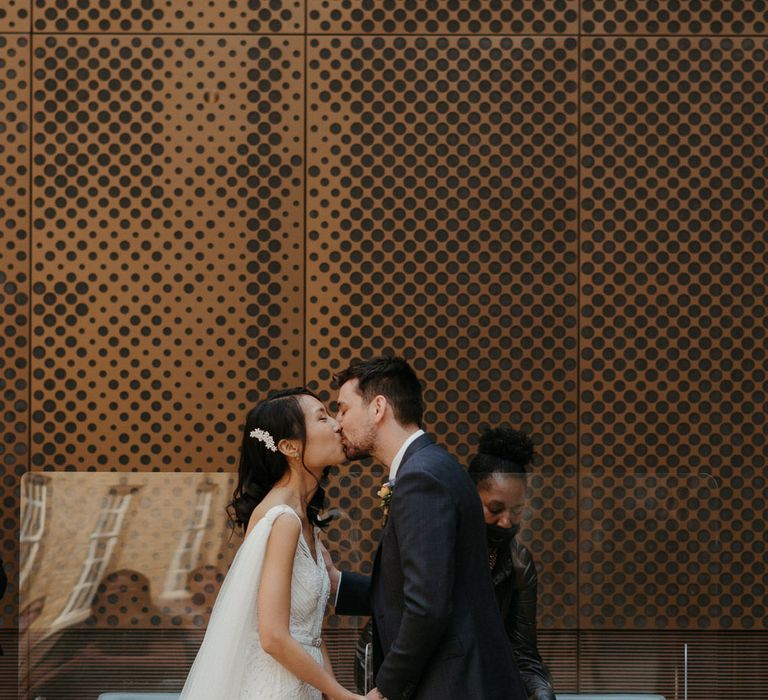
column 555, row 210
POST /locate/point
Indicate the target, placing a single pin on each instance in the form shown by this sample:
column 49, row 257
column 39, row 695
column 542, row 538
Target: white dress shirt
column 401, row 452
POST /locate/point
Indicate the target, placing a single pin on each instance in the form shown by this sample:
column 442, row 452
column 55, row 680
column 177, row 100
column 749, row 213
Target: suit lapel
column 419, row 443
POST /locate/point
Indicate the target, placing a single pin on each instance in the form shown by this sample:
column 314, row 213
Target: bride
column 263, row 639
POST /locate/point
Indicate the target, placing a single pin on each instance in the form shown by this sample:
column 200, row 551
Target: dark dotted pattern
column 549, row 531
column 168, row 177
column 452, row 17
column 652, row 551
column 14, row 16
column 674, row 17
column 126, row 600
column 139, row 16
column 442, row 226
column 14, row 303
column 673, row 295
column 353, row 534
column 169, row 269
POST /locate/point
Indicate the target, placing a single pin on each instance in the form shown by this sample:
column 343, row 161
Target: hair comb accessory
column 265, row 437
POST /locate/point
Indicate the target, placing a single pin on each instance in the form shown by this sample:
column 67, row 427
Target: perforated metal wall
column 14, row 297
column 168, row 275
column 555, row 210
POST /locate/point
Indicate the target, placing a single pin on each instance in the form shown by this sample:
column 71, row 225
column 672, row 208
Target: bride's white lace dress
column 230, row 664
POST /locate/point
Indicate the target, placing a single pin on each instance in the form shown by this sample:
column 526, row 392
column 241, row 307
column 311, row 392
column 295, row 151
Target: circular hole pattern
column 674, row 17
column 441, row 226
column 14, row 303
column 138, row 16
column 167, row 293
column 673, row 353
column 455, row 17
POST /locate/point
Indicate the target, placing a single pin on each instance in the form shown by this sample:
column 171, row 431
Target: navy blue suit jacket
column 437, row 629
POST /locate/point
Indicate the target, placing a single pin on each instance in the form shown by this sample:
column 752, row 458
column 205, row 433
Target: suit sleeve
column 354, row 595
column 425, row 518
column 521, row 627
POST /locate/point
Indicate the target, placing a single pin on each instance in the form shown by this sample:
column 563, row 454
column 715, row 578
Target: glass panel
column 649, row 583
column 98, row 614
column 93, row 615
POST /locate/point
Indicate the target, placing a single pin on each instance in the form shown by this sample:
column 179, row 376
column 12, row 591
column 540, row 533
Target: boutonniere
column 385, row 494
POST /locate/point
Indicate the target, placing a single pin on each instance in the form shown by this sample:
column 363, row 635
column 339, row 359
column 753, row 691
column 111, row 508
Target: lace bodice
column 310, row 586
column 231, row 665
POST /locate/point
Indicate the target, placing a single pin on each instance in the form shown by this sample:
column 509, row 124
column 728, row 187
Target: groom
column 437, row 631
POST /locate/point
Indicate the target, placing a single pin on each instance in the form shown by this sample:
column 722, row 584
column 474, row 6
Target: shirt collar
column 399, row 456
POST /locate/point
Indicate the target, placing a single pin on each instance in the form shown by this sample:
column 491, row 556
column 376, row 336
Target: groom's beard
column 361, row 449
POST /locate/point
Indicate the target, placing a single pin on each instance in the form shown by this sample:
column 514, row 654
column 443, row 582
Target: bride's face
column 323, row 445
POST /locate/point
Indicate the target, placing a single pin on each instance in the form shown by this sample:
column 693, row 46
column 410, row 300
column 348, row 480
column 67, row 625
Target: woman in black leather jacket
column 499, row 471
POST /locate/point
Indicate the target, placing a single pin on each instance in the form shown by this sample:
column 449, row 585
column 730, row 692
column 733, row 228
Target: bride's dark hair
column 282, row 416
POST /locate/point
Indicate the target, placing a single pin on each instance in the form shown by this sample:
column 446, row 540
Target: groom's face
column 356, row 418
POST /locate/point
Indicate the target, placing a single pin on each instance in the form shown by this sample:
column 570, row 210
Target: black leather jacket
column 515, row 580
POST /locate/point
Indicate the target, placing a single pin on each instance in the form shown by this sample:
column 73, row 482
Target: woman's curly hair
column 502, row 451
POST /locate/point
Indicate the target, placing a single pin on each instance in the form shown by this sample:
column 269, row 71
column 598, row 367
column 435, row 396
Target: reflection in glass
column 100, row 546
column 121, row 579
column 94, row 617
column 188, row 550
column 33, row 512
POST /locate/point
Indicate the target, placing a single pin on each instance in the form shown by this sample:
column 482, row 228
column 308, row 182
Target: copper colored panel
column 15, row 15
column 673, row 342
column 674, row 17
column 442, row 226
column 651, row 554
column 168, row 281
column 443, row 17
column 14, row 302
column 158, row 16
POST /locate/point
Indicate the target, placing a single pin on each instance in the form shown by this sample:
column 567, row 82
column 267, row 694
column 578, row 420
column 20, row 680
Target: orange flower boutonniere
column 385, row 494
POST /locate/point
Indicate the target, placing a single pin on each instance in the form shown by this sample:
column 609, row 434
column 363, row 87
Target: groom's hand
column 333, row 573
column 375, row 695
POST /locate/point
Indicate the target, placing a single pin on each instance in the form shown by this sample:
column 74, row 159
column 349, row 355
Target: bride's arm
column 274, row 606
column 326, row 663
column 326, row 658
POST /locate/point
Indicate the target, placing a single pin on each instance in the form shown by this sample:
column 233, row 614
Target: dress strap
column 277, row 510
column 268, row 519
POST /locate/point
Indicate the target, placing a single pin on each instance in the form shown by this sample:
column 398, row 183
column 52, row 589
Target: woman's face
column 503, row 498
column 323, row 445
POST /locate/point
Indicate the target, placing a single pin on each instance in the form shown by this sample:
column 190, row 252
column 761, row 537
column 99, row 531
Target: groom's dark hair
column 392, row 378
